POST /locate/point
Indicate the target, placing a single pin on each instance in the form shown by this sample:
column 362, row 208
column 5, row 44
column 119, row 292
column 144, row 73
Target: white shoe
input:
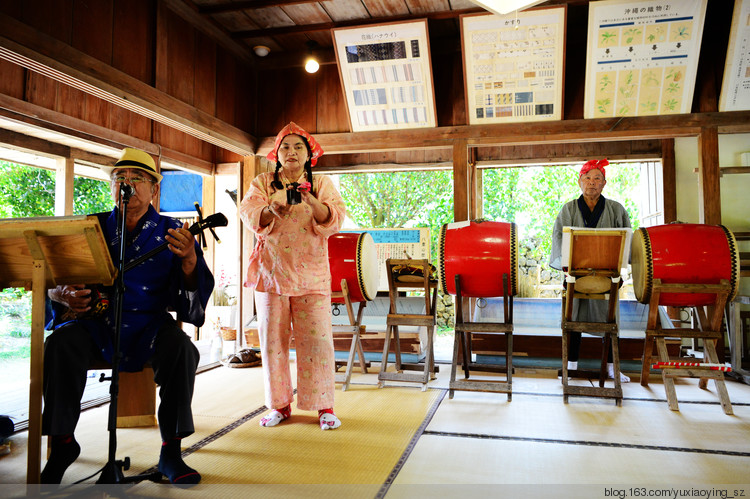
column 272, row 419
column 611, row 374
column 329, row 421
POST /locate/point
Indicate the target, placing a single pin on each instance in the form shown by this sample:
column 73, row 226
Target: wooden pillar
column 156, row 202
column 461, row 180
column 64, row 174
column 709, row 191
column 249, row 168
column 669, row 180
column 475, row 198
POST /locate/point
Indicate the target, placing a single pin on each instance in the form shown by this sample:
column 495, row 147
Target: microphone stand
column 112, row 471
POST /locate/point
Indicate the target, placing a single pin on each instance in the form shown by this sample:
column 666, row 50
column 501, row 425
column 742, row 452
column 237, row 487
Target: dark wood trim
column 565, row 131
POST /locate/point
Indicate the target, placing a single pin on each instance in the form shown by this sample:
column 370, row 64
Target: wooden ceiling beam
column 221, row 8
column 311, row 28
column 43, row 54
column 566, row 131
column 41, row 117
column 193, row 16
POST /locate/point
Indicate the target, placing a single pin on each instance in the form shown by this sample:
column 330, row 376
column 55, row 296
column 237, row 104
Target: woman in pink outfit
column 291, row 276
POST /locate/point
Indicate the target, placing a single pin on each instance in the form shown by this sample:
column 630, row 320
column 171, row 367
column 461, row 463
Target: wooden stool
column 355, row 329
column 592, row 259
column 708, row 329
column 395, row 319
column 610, row 331
column 463, row 332
column 136, row 401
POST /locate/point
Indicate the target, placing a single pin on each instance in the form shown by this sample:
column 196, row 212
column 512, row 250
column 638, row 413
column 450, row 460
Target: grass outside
column 15, row 324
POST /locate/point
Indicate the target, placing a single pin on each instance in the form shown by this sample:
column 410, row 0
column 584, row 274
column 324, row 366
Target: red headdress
column 294, row 129
column 594, row 164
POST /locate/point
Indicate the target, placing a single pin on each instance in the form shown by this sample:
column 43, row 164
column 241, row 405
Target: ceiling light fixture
column 261, row 50
column 503, row 7
column 311, row 64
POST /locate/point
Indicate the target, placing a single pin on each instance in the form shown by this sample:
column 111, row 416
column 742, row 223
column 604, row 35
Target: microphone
column 126, row 191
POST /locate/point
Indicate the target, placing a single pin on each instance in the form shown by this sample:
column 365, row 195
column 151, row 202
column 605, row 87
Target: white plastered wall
column 735, row 189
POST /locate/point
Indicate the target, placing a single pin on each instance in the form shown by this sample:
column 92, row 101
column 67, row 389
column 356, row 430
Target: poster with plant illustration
column 642, row 56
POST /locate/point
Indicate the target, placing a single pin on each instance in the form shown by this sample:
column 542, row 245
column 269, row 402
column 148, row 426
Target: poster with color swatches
column 514, row 66
column 642, row 57
column 386, row 74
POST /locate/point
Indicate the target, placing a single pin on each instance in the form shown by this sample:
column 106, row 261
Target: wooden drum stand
column 708, row 329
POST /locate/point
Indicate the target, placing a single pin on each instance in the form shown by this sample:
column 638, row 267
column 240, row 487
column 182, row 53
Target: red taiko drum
column 480, row 252
column 353, row 256
column 684, row 254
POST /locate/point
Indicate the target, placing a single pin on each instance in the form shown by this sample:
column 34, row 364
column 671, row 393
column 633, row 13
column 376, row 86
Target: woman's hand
column 276, row 209
column 320, row 211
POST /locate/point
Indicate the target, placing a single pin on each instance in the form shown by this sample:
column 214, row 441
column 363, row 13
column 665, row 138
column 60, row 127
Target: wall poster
column 642, row 56
column 514, row 65
column 386, row 73
column 735, row 89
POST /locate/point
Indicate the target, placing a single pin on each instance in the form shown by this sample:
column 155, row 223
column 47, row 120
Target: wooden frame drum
column 684, row 254
column 353, row 256
column 481, row 252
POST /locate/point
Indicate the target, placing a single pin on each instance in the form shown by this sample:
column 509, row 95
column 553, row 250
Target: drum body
column 684, row 254
column 353, row 256
column 481, row 253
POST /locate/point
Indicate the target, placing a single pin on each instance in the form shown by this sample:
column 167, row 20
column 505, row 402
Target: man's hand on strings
column 182, row 243
column 74, row 296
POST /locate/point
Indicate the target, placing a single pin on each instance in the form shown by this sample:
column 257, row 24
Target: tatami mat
column 475, row 439
column 451, row 460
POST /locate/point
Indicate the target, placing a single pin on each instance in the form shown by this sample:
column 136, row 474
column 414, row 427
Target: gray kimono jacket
column 614, row 215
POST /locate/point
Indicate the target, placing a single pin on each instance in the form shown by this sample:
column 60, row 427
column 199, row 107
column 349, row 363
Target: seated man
column 177, row 279
column 590, row 209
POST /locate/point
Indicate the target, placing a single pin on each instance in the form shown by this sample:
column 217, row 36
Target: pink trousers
column 308, row 319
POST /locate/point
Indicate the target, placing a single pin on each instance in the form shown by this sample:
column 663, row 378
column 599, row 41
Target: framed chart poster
column 514, row 65
column 735, row 89
column 386, row 73
column 642, row 56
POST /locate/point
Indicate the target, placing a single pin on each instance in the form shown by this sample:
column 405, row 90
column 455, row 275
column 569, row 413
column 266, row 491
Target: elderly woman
column 290, row 273
column 591, row 209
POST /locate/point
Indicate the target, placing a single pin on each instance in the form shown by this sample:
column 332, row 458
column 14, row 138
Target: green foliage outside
column 531, row 197
column 27, row 191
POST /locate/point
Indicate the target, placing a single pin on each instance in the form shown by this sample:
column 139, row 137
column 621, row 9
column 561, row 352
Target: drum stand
column 708, row 329
column 463, row 332
column 355, row 330
column 394, row 320
column 610, row 331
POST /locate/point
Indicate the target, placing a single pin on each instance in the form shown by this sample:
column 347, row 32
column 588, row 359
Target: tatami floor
column 418, row 443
